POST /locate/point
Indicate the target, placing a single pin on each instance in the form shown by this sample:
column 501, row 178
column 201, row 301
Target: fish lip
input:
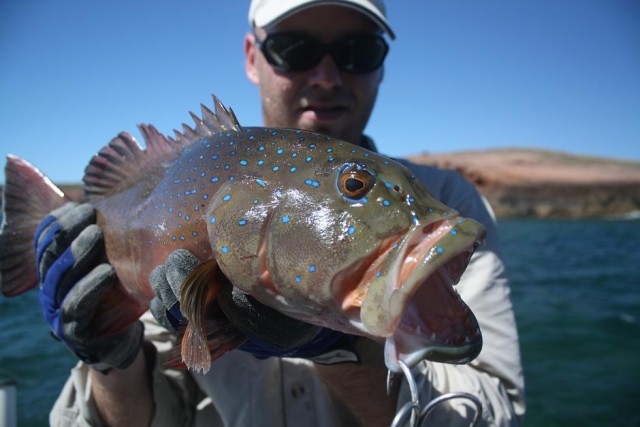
column 418, row 312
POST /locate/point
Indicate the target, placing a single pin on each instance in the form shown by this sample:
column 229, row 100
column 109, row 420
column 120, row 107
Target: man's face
column 323, row 98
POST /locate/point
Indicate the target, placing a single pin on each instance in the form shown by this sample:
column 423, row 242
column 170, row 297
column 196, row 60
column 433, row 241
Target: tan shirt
column 241, row 390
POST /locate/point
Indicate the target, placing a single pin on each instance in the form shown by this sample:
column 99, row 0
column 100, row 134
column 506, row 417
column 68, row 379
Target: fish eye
column 355, row 184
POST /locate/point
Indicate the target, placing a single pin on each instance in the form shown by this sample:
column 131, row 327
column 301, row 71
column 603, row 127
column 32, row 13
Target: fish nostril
column 396, row 188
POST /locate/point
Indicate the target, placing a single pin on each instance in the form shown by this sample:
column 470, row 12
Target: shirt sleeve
column 495, row 376
column 175, row 393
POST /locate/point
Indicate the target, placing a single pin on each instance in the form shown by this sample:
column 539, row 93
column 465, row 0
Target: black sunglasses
column 297, row 52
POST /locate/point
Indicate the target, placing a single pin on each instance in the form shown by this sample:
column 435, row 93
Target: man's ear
column 250, row 58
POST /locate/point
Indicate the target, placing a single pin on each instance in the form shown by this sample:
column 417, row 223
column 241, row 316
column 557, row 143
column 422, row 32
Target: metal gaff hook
column 414, row 406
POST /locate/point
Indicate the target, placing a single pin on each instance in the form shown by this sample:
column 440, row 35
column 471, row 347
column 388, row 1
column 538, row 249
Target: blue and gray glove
column 269, row 333
column 73, row 276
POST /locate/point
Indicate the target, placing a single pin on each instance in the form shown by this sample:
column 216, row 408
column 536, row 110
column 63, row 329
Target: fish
column 311, row 228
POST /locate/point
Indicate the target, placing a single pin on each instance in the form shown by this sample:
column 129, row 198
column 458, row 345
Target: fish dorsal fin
column 123, row 162
column 223, row 120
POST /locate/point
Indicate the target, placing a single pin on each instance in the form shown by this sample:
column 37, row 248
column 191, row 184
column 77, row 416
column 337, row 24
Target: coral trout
column 315, row 228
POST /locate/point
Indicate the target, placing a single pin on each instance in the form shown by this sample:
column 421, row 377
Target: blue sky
column 462, row 74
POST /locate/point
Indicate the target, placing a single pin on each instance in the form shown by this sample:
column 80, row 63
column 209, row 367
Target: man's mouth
column 323, row 112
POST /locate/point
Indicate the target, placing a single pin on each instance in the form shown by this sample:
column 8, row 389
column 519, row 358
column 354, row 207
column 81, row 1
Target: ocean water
column 576, row 292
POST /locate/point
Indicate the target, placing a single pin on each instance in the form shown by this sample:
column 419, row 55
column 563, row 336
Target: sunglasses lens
column 291, row 52
column 361, row 54
column 295, row 52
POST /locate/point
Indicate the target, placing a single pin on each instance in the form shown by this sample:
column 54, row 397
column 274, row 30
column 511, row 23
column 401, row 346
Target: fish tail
column 28, row 197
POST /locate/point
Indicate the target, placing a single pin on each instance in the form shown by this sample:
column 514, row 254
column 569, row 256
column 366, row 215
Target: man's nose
column 326, row 74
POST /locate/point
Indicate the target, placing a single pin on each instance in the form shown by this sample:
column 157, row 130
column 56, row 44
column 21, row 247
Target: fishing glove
column 73, row 277
column 293, row 337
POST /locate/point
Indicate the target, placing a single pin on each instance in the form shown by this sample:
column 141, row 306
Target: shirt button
column 297, row 390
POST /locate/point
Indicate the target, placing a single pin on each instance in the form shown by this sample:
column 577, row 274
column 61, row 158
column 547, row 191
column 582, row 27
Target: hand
column 269, row 333
column 73, row 277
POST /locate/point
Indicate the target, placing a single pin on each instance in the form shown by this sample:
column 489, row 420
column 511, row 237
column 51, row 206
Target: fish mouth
column 411, row 300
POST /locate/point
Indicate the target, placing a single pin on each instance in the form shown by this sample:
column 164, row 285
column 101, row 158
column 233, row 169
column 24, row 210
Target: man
column 303, row 84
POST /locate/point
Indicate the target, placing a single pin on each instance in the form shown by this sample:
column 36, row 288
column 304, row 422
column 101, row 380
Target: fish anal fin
column 28, row 196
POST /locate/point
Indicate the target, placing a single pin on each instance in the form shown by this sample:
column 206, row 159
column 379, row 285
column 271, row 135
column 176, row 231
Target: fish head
column 354, row 242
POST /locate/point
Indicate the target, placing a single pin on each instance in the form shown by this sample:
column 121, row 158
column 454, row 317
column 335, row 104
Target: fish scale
column 312, row 227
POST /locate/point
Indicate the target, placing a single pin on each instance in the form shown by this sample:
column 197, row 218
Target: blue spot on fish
column 293, row 169
column 224, row 250
column 227, row 197
column 285, row 219
column 351, row 230
column 260, row 162
column 243, row 163
column 454, row 232
column 279, row 151
column 312, row 268
column 312, row 183
column 276, row 168
column 386, row 202
column 298, row 279
column 440, row 249
column 215, row 179
column 260, row 182
column 308, row 159
column 242, row 222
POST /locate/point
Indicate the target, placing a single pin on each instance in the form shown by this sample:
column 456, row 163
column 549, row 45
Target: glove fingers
column 180, row 264
column 88, row 251
column 161, row 314
column 166, row 281
column 58, row 235
column 79, row 306
column 46, row 233
column 161, row 287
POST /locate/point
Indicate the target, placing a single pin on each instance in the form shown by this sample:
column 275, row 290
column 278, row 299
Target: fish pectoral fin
column 197, row 292
column 222, row 336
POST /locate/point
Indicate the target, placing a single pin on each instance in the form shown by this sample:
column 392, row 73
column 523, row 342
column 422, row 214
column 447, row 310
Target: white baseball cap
column 263, row 13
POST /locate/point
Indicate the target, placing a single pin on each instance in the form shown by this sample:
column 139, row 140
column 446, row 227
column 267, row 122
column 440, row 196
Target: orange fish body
column 316, row 228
